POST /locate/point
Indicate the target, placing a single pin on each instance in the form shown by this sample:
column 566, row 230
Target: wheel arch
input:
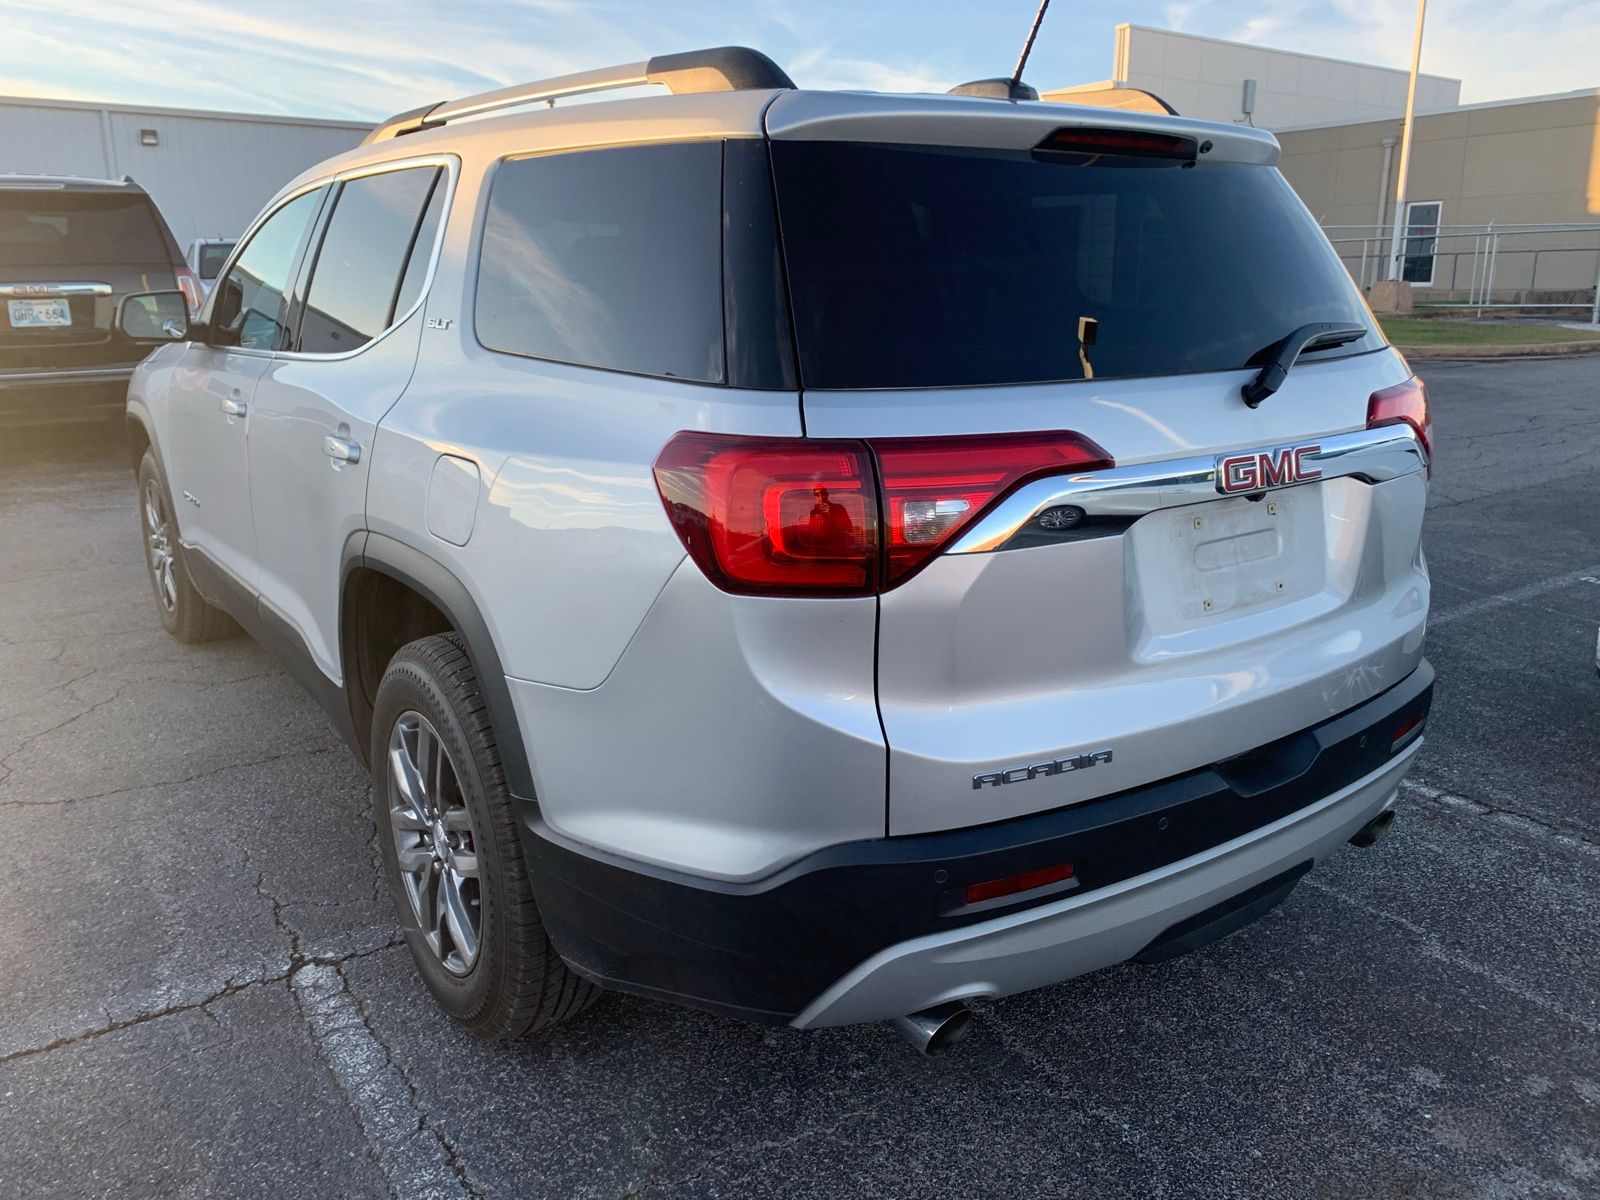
column 378, row 570
column 139, row 438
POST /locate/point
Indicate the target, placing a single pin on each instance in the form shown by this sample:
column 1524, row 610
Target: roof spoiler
column 720, row 69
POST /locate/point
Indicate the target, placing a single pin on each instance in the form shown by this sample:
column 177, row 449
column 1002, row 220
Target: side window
column 608, row 258
column 421, row 256
column 251, row 308
column 362, row 263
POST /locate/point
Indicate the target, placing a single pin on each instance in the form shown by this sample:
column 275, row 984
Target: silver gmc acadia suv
column 817, row 556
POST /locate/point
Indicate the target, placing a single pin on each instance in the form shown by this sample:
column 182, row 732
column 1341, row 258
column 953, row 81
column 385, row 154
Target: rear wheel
column 183, row 610
column 449, row 841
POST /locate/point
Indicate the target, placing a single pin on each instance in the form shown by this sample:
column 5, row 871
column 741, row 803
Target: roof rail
column 720, row 69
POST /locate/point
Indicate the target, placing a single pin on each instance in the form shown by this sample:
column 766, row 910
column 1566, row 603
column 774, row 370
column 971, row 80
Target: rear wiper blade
column 1315, row 336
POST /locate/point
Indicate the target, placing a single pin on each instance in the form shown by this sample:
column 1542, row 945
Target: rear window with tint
column 212, row 257
column 608, row 258
column 47, row 228
column 938, row 267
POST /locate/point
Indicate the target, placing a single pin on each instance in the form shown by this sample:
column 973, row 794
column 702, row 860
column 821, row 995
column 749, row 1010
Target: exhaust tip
column 1370, row 833
column 937, row 1029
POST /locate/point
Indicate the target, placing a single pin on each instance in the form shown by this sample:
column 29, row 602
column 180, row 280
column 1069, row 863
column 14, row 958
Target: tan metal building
column 1274, row 89
column 1503, row 198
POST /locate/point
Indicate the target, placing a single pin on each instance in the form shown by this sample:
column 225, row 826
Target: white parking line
column 408, row 1150
column 1472, row 608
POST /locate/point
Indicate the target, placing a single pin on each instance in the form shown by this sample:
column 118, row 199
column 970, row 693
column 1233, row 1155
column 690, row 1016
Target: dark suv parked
column 70, row 250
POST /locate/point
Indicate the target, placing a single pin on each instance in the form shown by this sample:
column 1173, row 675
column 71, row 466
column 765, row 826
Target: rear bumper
column 46, row 397
column 1084, row 933
column 879, row 927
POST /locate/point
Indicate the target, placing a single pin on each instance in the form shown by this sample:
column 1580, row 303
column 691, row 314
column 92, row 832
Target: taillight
column 934, row 487
column 774, row 516
column 803, row 517
column 1406, row 402
column 189, row 285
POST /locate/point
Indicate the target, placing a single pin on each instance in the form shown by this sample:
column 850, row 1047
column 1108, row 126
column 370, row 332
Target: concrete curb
column 1547, row 350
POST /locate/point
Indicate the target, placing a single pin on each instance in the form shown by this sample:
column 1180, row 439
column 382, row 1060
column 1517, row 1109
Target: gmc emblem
column 1262, row 469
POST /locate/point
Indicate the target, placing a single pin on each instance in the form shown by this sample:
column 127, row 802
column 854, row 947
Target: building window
column 1422, row 242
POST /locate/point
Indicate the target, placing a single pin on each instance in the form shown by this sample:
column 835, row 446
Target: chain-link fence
column 1549, row 269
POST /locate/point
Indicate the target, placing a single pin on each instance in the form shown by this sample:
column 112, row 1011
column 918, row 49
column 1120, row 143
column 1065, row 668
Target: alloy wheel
column 433, row 843
column 158, row 545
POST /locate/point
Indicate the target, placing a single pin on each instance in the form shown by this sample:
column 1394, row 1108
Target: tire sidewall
column 411, row 684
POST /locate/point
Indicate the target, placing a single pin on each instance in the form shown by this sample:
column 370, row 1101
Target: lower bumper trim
column 1056, row 942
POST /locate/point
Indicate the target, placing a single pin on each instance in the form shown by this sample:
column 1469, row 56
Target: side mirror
column 151, row 318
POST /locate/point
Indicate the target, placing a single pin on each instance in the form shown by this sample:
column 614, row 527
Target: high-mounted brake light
column 1123, row 142
column 1406, row 402
column 804, row 517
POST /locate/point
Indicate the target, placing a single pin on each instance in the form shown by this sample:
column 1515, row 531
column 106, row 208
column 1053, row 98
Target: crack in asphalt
column 309, row 752
column 1432, row 946
column 5, row 759
column 1541, row 828
column 414, row 1156
column 186, row 1006
column 336, row 1019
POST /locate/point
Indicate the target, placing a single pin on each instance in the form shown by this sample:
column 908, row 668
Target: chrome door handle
column 341, row 449
column 235, row 408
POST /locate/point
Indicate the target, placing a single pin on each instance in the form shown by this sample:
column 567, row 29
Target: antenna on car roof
column 1011, row 88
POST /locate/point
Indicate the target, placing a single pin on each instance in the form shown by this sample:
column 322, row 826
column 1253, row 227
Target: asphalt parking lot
column 200, row 993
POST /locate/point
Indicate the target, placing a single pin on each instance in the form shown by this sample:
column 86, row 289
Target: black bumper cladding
column 764, row 950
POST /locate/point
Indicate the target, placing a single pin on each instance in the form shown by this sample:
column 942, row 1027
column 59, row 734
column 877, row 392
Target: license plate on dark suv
column 27, row 314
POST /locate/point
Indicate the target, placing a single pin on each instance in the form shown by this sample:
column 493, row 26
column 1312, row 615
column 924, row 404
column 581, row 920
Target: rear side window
column 608, row 258
column 938, row 267
column 361, row 264
column 421, row 256
column 42, row 227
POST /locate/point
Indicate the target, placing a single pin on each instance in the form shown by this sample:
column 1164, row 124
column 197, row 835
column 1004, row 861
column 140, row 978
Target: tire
column 502, row 978
column 183, row 610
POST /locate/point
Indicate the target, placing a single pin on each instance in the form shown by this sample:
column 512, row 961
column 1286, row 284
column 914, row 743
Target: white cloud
column 1497, row 48
column 819, row 67
column 369, row 58
column 1176, row 16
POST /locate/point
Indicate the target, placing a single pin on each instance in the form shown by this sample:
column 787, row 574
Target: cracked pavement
column 202, row 994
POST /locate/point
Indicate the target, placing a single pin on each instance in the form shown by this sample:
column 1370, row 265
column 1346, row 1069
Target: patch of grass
column 1417, row 331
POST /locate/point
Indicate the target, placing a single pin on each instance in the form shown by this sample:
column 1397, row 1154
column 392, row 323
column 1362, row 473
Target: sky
column 365, row 59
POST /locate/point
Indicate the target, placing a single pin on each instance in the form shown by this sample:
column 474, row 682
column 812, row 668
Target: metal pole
column 1405, row 145
column 1594, row 315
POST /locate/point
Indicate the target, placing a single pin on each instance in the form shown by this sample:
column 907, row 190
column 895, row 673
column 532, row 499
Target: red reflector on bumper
column 1013, row 884
column 1406, row 731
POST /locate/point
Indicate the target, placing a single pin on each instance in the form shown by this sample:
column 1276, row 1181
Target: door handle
column 341, row 449
column 235, row 407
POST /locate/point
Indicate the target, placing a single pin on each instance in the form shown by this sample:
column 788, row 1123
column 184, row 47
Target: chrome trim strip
column 1371, row 455
column 48, row 376
column 46, row 291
